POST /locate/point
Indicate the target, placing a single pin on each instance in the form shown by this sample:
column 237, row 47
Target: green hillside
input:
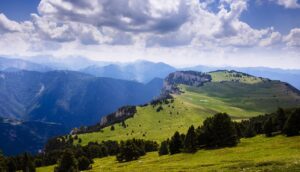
column 240, row 95
column 277, row 153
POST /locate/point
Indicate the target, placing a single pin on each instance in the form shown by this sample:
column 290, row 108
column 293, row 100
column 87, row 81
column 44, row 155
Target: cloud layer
column 148, row 26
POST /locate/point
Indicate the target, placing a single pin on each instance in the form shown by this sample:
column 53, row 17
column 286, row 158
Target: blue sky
column 179, row 32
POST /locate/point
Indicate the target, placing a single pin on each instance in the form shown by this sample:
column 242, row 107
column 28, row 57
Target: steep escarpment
column 190, row 78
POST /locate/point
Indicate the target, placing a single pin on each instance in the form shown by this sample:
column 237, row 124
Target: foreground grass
column 277, row 153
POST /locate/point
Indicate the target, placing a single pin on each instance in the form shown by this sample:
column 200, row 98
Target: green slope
column 238, row 94
column 277, row 153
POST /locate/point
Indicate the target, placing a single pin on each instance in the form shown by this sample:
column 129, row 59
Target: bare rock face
column 120, row 115
column 190, row 78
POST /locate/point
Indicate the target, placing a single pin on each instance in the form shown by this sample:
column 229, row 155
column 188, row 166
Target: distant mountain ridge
column 9, row 64
column 27, row 136
column 67, row 97
column 141, row 71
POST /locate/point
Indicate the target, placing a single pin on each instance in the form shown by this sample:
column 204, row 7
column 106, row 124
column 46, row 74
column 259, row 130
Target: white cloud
column 176, row 31
column 288, row 3
column 272, row 39
column 293, row 38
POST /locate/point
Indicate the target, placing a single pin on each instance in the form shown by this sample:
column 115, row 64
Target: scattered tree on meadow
column 112, row 128
column 190, row 141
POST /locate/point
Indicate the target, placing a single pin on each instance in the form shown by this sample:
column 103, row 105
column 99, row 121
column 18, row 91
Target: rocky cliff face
column 120, row 115
column 190, row 78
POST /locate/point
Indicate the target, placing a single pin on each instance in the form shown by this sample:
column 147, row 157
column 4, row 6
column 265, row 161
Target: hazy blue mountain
column 141, row 71
column 289, row 76
column 19, row 136
column 8, row 64
column 69, row 98
column 67, row 63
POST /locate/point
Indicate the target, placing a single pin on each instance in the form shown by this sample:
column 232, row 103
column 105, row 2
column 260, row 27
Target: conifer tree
column 291, row 126
column 163, row 149
column 67, row 163
column 268, row 127
column 175, row 144
column 190, row 141
column 27, row 163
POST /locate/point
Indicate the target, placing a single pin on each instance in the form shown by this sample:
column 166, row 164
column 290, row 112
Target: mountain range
column 38, row 102
column 141, row 71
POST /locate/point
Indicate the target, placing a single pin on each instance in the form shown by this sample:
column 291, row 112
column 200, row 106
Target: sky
column 243, row 33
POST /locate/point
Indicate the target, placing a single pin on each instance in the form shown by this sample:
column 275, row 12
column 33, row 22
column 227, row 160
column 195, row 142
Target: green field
column 239, row 100
column 219, row 76
column 277, row 153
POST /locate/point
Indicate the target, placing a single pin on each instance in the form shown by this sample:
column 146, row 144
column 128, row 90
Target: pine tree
column 163, row 149
column 218, row 131
column 268, row 127
column 175, row 144
column 291, row 126
column 84, row 163
column 281, row 118
column 129, row 151
column 67, row 163
column 190, row 141
column 11, row 165
column 27, row 163
column 2, row 162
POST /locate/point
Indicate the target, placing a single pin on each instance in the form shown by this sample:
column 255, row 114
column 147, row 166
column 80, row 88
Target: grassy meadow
column 259, row 153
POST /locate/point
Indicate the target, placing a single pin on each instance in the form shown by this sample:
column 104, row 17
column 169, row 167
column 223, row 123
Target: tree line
column 220, row 131
column 70, row 157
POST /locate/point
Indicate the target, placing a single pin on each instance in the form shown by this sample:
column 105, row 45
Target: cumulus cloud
column 288, row 3
column 272, row 39
column 68, row 26
column 130, row 15
column 293, row 38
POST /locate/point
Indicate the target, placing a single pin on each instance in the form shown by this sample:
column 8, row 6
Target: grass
column 240, row 100
column 277, row 153
column 151, row 125
column 219, row 76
